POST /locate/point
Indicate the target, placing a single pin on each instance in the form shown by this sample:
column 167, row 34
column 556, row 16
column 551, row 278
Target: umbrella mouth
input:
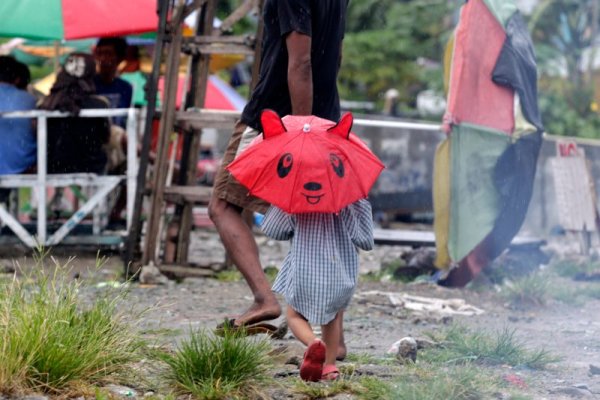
column 312, row 199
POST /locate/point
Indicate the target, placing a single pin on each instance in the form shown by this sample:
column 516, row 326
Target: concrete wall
column 406, row 185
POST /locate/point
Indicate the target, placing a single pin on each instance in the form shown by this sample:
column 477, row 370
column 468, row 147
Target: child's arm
column 277, row 224
column 358, row 220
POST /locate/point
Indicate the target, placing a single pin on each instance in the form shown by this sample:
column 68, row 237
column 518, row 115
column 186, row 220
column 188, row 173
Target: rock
column 34, row 397
column 573, row 392
column 121, row 391
column 424, row 343
column 594, row 369
column 150, row 275
column 405, row 349
column 7, row 269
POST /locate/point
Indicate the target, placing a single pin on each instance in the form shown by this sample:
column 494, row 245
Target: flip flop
column 228, row 325
column 330, row 373
column 312, row 365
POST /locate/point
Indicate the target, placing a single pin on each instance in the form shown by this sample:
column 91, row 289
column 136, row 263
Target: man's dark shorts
column 226, row 187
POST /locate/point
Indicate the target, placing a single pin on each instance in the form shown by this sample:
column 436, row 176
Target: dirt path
column 373, row 323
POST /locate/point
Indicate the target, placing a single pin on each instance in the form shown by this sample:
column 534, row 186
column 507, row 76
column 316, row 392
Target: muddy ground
column 569, row 330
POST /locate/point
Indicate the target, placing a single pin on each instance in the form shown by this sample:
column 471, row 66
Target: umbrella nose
column 312, row 186
column 306, row 128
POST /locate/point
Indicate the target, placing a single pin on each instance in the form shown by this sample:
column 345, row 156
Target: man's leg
column 239, row 242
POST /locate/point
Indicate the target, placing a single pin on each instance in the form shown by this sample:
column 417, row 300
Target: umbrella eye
column 337, row 165
column 284, row 166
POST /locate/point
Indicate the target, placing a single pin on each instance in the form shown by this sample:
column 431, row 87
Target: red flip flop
column 312, row 365
column 330, row 373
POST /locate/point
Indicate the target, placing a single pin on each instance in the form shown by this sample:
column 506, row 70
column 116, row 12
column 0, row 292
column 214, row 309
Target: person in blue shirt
column 18, row 150
column 109, row 53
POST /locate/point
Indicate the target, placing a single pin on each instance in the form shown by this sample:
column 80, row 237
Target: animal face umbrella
column 307, row 164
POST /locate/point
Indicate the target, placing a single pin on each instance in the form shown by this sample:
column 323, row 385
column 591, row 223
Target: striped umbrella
column 484, row 170
column 76, row 19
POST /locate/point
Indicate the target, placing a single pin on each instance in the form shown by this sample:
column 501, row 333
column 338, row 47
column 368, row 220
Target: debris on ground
column 423, row 306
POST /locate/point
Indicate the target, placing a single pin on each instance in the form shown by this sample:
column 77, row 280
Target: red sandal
column 330, row 373
column 312, row 365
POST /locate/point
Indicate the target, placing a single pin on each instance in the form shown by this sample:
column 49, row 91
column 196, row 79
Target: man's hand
column 299, row 76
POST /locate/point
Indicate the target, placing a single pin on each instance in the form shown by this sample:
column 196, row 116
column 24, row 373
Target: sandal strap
column 330, row 369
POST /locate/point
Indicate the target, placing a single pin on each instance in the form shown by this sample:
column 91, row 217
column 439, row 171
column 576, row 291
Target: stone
column 151, row 275
column 594, row 369
column 407, row 349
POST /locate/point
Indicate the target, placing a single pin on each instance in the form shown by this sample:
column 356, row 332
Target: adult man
column 299, row 64
column 109, row 53
column 17, row 138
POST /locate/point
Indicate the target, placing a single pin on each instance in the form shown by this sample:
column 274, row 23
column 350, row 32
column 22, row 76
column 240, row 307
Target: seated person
column 18, row 150
column 76, row 144
column 109, row 53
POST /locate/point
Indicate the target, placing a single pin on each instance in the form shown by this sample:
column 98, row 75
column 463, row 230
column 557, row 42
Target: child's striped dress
column 319, row 273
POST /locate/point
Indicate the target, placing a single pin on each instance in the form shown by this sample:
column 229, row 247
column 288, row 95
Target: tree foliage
column 563, row 31
column 385, row 45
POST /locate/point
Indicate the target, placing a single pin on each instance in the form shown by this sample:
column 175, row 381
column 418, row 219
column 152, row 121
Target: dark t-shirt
column 324, row 21
column 77, row 144
column 119, row 93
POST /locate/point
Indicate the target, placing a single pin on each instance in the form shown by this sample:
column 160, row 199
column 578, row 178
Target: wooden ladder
column 188, row 124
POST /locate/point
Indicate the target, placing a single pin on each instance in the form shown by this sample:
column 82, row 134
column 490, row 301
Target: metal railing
column 41, row 180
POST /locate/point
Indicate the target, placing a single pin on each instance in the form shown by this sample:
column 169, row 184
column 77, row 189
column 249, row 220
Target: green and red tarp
column 76, row 19
column 484, row 170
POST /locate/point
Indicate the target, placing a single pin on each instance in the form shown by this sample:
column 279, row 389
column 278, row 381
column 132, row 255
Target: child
column 319, row 275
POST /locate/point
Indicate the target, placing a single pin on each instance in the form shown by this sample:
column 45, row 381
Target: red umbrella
column 307, row 164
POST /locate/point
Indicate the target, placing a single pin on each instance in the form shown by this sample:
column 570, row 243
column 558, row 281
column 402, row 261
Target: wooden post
column 165, row 128
column 200, row 71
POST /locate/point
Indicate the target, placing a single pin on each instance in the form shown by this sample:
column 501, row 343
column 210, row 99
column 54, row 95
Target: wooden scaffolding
column 154, row 180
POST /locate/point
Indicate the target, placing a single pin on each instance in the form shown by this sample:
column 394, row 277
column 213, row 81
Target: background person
column 76, row 144
column 109, row 53
column 18, row 150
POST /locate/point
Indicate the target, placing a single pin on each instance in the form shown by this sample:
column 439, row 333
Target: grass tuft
column 465, row 382
column 459, row 345
column 531, row 290
column 209, row 367
column 49, row 342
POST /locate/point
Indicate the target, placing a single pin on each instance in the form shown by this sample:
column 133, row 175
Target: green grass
column 209, row 367
column 531, row 290
column 366, row 358
column 49, row 342
column 364, row 388
column 229, row 275
column 460, row 345
column 570, row 267
column 464, row 382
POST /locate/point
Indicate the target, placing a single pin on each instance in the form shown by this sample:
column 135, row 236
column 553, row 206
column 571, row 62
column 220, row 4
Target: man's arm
column 300, row 83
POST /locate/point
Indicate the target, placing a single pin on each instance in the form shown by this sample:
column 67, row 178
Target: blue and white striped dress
column 319, row 274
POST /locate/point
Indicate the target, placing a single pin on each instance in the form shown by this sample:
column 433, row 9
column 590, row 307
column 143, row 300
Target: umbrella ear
column 272, row 125
column 344, row 126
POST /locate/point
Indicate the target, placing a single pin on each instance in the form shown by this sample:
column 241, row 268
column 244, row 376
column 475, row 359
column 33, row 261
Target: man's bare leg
column 239, row 242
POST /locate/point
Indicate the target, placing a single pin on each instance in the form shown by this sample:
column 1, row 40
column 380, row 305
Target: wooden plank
column 200, row 71
column 403, row 237
column 244, row 40
column 575, row 194
column 189, row 194
column 180, row 271
column 165, row 129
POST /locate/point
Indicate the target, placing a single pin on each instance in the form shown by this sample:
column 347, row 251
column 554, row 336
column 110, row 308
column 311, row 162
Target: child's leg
column 299, row 326
column 341, row 351
column 311, row 368
column 332, row 335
